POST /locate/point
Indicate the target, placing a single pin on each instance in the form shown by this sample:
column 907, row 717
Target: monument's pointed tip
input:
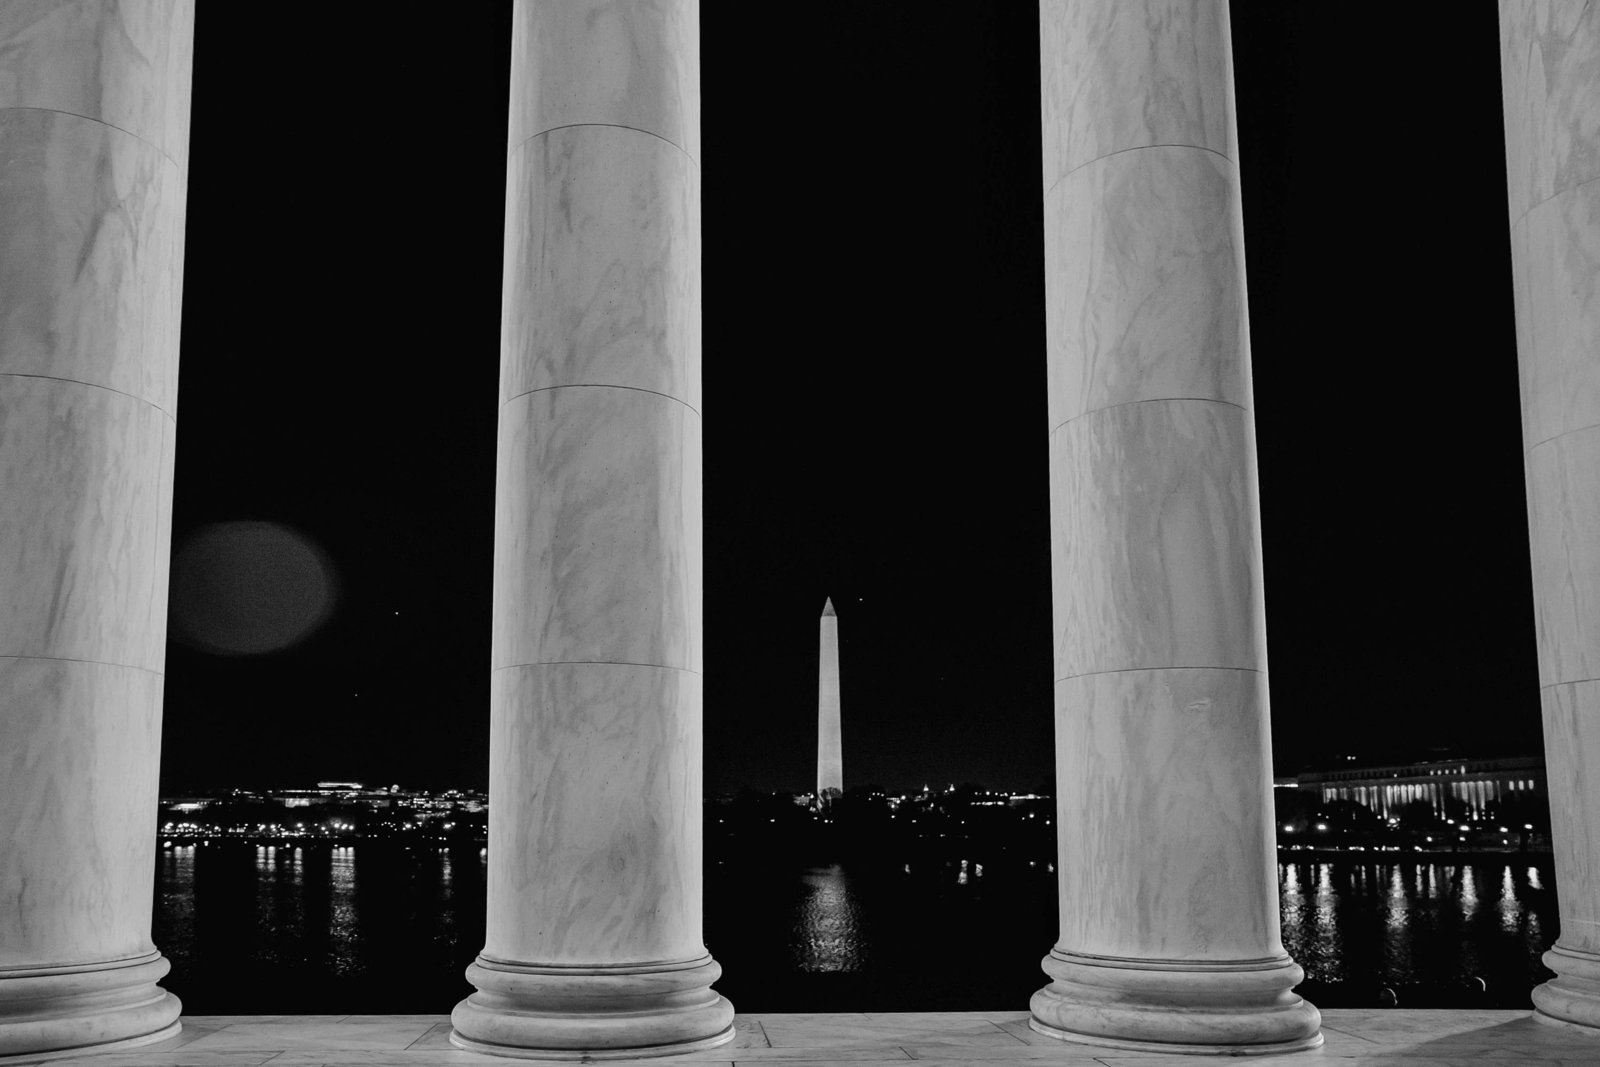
column 827, row 609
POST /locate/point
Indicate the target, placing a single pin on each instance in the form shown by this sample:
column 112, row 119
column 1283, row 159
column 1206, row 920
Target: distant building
column 1480, row 788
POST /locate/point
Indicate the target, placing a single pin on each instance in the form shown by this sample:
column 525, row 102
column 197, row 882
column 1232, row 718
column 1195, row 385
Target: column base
column 1228, row 1009
column 592, row 1013
column 51, row 1012
column 1573, row 995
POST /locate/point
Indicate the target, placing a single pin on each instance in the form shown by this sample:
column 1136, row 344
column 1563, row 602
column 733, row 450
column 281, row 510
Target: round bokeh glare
column 248, row 588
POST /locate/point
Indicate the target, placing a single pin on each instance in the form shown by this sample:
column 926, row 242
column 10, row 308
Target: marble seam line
column 519, row 146
column 1124, row 151
column 1003, row 1030
column 1552, row 196
column 95, row 662
column 1572, row 681
column 89, row 385
column 102, row 122
column 1134, row 670
column 1152, row 400
column 1349, row 1033
column 599, row 385
column 1556, row 437
column 593, row 663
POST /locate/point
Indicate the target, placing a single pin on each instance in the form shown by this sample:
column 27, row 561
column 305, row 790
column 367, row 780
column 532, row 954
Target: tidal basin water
column 383, row 929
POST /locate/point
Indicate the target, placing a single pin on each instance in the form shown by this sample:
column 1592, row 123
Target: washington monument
column 830, row 758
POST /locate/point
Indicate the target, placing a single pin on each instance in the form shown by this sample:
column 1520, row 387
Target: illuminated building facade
column 1470, row 788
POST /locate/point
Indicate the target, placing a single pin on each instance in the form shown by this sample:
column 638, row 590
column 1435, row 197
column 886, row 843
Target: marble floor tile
column 748, row 1033
column 140, row 1057
column 1017, row 1027
column 863, row 1030
column 881, row 1053
column 436, row 1036
column 992, row 1055
column 316, row 1035
column 385, row 1058
column 1392, row 1038
column 1417, row 1019
column 217, row 1021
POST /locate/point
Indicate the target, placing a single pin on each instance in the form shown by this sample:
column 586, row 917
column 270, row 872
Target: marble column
column 1168, row 896
column 594, row 941
column 94, row 135
column 1550, row 69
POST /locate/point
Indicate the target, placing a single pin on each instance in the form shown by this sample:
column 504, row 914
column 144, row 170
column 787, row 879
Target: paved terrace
column 989, row 1039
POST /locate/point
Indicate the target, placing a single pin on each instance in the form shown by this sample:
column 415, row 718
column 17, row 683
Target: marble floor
column 989, row 1039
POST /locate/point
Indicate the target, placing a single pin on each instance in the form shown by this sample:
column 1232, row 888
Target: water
column 384, row 929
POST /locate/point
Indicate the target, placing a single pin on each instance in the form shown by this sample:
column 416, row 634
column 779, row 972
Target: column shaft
column 594, row 940
column 1550, row 70
column 1169, row 907
column 94, row 132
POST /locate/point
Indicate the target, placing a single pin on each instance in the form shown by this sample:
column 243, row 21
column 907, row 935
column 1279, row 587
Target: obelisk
column 830, row 758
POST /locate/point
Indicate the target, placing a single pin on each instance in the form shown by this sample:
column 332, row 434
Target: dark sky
column 874, row 368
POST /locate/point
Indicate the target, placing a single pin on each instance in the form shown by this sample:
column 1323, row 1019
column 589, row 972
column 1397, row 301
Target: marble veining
column 1157, row 557
column 1144, row 283
column 594, row 944
column 1162, row 730
column 94, row 116
column 602, row 265
column 1572, row 748
column 598, row 532
column 70, row 729
column 124, row 64
column 601, row 776
column 81, row 535
column 1138, row 884
column 92, row 263
column 632, row 63
column 1558, row 311
column 1130, row 75
column 1563, row 478
column 1550, row 71
column 1550, row 79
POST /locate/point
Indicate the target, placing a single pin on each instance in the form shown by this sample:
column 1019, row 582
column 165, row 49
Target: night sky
column 874, row 366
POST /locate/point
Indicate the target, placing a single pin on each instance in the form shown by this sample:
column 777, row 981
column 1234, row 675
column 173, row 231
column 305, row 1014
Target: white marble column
column 94, row 136
column 1169, row 904
column 1550, row 69
column 594, row 927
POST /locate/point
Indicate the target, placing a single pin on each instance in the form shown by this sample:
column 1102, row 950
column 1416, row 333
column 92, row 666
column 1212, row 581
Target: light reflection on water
column 315, row 917
column 1416, row 924
column 342, row 920
column 827, row 926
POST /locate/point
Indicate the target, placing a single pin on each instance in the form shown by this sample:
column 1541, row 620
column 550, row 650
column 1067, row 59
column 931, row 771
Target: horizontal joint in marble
column 594, row 663
column 154, row 146
column 1134, row 148
column 599, row 385
column 607, row 125
column 1151, row 400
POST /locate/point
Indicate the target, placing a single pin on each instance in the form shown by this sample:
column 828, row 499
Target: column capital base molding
column 1572, row 997
column 1215, row 1007
column 55, row 1012
column 607, row 1011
